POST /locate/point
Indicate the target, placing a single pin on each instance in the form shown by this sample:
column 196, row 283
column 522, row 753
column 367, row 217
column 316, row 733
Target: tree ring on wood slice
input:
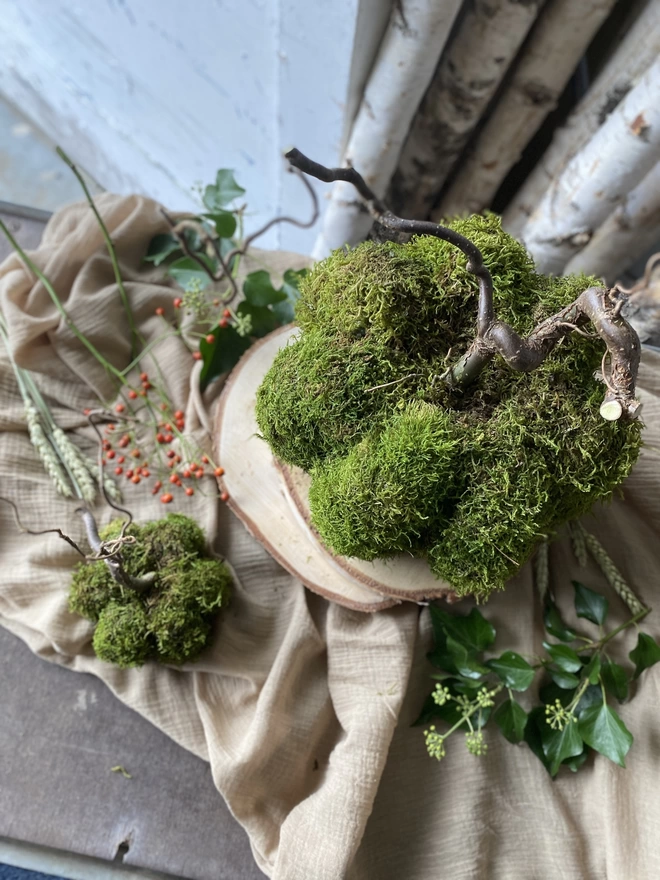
column 270, row 499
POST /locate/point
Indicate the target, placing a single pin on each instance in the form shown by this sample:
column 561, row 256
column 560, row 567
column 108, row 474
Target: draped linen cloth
column 302, row 708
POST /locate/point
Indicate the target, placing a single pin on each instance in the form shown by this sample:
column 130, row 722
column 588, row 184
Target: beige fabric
column 296, row 702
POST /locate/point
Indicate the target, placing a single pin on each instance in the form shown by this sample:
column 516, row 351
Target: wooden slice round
column 257, row 491
column 401, row 576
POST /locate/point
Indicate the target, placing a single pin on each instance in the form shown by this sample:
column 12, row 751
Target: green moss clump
column 171, row 622
column 472, row 479
column 122, row 634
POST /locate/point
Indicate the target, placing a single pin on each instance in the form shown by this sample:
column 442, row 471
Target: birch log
column 627, row 234
column 469, row 73
column 616, row 159
column 638, row 50
column 409, row 54
column 562, row 32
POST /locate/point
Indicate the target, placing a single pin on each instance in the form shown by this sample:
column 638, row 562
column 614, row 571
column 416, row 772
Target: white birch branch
column 617, row 158
column 638, row 50
column 562, row 32
column 470, row 72
column 627, row 234
column 409, row 54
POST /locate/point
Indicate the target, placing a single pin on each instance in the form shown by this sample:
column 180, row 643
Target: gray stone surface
column 61, row 733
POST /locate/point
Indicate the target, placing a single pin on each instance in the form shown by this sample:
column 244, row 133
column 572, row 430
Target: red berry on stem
column 160, row 311
column 132, row 394
column 226, row 314
column 119, row 470
column 178, row 302
column 190, row 491
column 120, row 408
column 178, row 414
column 121, row 459
column 168, row 438
column 160, row 438
column 136, row 478
column 157, row 485
column 210, row 339
column 166, row 498
column 143, row 377
column 111, row 453
column 205, row 459
column 224, row 496
column 197, row 355
column 223, row 322
column 219, row 471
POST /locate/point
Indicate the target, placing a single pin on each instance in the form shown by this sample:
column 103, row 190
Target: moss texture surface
column 470, row 480
column 172, row 621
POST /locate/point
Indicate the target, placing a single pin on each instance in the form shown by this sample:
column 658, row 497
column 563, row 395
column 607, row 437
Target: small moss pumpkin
column 172, row 621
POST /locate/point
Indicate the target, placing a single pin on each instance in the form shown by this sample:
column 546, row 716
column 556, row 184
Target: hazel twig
column 596, row 305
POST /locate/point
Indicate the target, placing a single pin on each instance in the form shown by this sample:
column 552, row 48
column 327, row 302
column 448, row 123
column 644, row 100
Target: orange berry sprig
column 122, row 449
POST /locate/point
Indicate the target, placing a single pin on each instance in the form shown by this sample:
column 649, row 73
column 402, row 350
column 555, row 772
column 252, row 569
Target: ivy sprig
column 579, row 682
column 226, row 329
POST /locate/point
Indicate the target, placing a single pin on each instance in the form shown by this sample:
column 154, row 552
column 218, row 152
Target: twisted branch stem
column 596, row 305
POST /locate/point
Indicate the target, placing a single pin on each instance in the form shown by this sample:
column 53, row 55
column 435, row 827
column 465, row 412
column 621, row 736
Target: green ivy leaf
column 615, row 680
column 511, row 719
column 561, row 744
column 222, row 355
column 427, row 713
column 592, row 669
column 224, row 223
column 285, row 310
column 225, row 190
column 259, row 290
column 554, row 624
column 185, row 270
column 535, row 724
column 161, row 247
column 603, row 730
column 577, row 761
column 593, row 696
column 513, row 670
column 563, row 679
column 590, row 605
column 473, row 630
column 564, row 657
column 551, row 692
column 464, row 660
column 645, row 654
column 263, row 319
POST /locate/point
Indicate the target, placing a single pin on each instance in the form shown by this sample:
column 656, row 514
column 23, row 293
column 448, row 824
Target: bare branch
column 596, row 305
column 380, row 212
column 22, row 528
column 301, row 224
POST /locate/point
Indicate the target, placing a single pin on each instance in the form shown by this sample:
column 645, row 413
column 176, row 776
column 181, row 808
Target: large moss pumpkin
column 471, row 479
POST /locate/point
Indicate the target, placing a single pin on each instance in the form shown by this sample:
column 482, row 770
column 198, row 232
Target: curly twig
column 178, row 228
column 597, row 305
column 22, row 528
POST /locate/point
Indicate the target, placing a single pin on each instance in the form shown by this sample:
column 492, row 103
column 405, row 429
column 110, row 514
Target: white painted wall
column 153, row 96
